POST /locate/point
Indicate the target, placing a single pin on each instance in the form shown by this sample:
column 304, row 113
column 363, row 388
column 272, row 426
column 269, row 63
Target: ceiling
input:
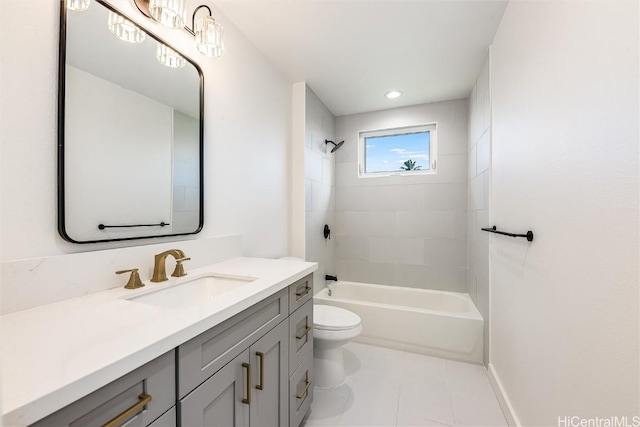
column 350, row 52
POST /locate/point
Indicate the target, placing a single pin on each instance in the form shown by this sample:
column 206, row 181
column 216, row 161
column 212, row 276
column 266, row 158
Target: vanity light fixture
column 124, row 29
column 170, row 13
column 78, row 5
column 208, row 32
column 393, row 94
column 169, row 57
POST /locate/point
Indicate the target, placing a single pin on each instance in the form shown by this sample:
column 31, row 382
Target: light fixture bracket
column 143, row 7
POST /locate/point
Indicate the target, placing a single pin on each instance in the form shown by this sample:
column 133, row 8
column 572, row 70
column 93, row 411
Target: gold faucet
column 159, row 272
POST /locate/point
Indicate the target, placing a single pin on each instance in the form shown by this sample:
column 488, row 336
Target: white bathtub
column 437, row 323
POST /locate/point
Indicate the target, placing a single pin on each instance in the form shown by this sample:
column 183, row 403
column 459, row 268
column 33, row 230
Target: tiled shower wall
column 404, row 230
column 479, row 185
column 319, row 186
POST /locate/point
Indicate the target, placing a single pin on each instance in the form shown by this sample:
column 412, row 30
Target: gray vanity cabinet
column 252, row 370
column 140, row 397
column 251, row 390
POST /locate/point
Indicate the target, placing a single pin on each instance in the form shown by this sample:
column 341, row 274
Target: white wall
column 479, row 180
column 404, row 230
column 247, row 106
column 118, row 162
column 319, row 186
column 564, row 322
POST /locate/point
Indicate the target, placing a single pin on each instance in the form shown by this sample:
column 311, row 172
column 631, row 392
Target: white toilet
column 333, row 327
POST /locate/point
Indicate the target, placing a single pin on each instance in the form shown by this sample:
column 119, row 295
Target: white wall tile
column 313, row 107
column 328, row 172
column 347, row 175
column 429, row 277
column 445, row 197
column 409, row 251
column 353, row 198
column 425, row 224
column 352, row 248
column 352, row 223
column 381, row 224
column 397, row 197
column 321, row 199
column 382, row 249
column 471, row 166
column 444, row 252
column 460, row 226
column 369, row 272
column 308, row 194
column 476, row 193
column 483, row 157
column 313, row 165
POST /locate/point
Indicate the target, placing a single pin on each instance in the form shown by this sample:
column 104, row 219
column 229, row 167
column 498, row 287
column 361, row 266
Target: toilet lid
column 330, row 318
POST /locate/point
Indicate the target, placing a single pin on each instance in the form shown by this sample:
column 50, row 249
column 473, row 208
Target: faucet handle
column 179, row 270
column 134, row 280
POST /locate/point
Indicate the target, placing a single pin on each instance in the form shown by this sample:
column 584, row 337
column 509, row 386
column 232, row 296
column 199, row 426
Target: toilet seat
column 330, row 318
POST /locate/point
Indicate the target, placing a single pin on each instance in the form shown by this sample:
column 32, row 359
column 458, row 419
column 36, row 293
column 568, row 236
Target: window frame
column 432, row 128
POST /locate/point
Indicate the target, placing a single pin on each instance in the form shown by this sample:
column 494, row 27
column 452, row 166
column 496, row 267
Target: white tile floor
column 387, row 387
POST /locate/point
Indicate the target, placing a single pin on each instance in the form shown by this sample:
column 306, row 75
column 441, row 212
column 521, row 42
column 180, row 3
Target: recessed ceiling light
column 393, row 94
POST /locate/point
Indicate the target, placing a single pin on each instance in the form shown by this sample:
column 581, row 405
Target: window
column 399, row 151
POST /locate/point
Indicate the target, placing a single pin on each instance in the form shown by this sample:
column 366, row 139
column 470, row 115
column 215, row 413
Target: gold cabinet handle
column 120, row 419
column 247, row 399
column 304, row 391
column 304, row 334
column 260, row 355
column 304, row 292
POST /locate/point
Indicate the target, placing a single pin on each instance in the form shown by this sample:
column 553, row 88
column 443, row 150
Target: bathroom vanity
column 243, row 359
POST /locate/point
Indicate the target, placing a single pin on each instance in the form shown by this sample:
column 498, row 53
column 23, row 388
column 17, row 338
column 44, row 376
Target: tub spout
column 328, row 277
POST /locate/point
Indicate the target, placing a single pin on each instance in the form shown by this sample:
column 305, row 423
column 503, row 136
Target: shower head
column 336, row 146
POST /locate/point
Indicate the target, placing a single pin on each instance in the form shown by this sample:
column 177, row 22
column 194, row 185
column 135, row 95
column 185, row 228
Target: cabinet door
column 220, row 400
column 269, row 362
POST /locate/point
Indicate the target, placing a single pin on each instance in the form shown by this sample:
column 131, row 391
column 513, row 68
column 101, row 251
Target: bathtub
column 437, row 323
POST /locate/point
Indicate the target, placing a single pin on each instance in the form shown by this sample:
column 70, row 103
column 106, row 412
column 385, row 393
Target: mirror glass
column 130, row 133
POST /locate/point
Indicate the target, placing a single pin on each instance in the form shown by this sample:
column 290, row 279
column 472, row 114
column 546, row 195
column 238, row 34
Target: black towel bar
column 528, row 235
column 102, row 226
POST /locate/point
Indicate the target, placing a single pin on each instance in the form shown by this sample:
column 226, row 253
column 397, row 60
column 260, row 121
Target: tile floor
column 387, row 387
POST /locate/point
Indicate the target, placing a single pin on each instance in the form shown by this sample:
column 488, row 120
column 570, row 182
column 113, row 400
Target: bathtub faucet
column 328, row 277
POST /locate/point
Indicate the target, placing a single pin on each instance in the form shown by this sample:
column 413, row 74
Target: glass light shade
column 78, row 5
column 209, row 36
column 170, row 13
column 124, row 29
column 169, row 57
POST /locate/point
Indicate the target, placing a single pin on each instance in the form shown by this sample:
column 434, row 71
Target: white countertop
column 55, row 354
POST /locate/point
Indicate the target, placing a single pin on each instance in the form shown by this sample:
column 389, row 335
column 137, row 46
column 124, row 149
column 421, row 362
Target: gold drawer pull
column 304, row 334
column 261, row 357
column 247, row 399
column 120, row 419
column 304, row 391
column 303, row 293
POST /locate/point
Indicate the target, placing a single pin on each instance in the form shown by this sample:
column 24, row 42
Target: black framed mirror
column 130, row 131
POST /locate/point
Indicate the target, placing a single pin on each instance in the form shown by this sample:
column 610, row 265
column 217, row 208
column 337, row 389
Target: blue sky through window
column 388, row 153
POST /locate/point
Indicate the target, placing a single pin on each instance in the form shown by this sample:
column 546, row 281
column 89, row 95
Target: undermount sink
column 198, row 290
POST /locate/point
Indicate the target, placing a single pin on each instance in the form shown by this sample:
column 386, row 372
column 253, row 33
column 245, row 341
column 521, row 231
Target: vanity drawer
column 207, row 353
column 155, row 379
column 301, row 391
column 300, row 335
column 300, row 292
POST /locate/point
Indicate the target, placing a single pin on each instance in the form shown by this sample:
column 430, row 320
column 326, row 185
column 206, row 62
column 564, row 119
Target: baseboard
column 503, row 399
